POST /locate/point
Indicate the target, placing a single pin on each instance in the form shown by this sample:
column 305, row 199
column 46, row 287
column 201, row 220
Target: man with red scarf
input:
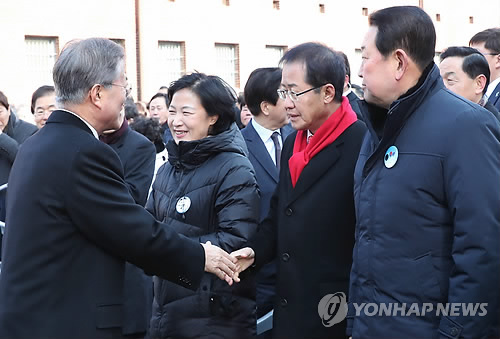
column 310, row 226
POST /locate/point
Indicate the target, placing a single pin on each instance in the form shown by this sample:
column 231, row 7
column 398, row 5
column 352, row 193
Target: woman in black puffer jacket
column 207, row 191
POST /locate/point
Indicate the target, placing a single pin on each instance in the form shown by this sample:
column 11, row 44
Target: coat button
column 283, row 302
column 285, row 257
column 454, row 331
column 288, row 212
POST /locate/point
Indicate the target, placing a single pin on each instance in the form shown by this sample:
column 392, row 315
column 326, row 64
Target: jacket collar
column 66, row 117
column 399, row 112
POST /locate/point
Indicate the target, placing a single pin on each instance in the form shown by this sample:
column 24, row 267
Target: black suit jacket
column 71, row 225
column 310, row 229
column 265, row 169
column 138, row 156
column 267, row 175
column 495, row 97
column 354, row 101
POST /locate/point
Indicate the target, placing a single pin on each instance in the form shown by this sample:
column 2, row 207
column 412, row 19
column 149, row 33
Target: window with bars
column 41, row 54
column 227, row 63
column 171, row 62
column 274, row 54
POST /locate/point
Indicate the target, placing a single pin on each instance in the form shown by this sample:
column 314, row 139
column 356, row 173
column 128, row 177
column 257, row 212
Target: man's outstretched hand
column 218, row 262
column 245, row 257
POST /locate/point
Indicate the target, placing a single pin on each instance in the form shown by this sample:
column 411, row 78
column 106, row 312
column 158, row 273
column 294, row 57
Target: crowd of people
column 195, row 214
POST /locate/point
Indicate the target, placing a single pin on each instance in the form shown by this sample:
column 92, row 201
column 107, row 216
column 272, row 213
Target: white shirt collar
column 263, row 132
column 346, row 93
column 94, row 131
column 309, row 134
column 492, row 86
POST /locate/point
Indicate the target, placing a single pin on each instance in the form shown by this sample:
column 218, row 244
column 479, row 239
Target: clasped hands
column 227, row 266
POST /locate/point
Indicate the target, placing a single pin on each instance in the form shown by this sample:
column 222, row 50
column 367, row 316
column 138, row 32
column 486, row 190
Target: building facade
column 165, row 39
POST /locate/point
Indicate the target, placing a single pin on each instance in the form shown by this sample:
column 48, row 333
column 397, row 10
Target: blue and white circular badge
column 183, row 205
column 391, row 157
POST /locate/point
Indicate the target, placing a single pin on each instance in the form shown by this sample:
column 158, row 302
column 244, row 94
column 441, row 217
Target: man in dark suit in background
column 264, row 136
column 68, row 236
column 488, row 43
column 137, row 155
column 310, row 226
column 353, row 98
column 465, row 72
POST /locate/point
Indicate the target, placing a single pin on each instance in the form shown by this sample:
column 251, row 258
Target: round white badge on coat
column 391, row 157
column 183, row 204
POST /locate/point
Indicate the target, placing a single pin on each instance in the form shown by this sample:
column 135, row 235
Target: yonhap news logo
column 332, row 309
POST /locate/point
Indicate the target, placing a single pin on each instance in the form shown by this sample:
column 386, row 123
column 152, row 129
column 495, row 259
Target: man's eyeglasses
column 127, row 88
column 282, row 93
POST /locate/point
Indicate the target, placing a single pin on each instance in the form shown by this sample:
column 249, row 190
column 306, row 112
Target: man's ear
column 264, row 108
column 95, row 95
column 329, row 93
column 480, row 84
column 401, row 60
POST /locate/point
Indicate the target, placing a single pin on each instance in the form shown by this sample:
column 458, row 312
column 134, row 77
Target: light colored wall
column 252, row 24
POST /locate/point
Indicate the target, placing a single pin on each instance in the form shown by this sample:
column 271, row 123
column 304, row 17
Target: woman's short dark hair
column 323, row 65
column 3, row 100
column 408, row 28
column 41, row 92
column 216, row 97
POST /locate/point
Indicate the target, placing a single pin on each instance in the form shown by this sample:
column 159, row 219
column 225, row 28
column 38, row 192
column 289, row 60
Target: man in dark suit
column 68, row 236
column 488, row 43
column 137, row 155
column 264, row 136
column 310, row 227
column 465, row 72
column 354, row 101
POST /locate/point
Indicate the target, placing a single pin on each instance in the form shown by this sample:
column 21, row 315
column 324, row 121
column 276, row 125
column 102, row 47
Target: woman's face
column 245, row 115
column 4, row 117
column 187, row 119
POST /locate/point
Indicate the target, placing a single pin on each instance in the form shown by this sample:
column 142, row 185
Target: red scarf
column 334, row 126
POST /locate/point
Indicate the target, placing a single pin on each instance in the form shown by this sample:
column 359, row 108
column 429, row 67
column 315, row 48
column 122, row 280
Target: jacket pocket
column 109, row 316
column 428, row 283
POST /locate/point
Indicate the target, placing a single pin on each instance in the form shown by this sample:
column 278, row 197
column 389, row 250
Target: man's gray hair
column 84, row 63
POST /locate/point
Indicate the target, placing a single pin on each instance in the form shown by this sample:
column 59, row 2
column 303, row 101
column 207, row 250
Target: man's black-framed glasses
column 282, row 93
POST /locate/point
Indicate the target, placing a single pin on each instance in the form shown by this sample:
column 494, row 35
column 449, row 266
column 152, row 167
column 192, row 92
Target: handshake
column 227, row 266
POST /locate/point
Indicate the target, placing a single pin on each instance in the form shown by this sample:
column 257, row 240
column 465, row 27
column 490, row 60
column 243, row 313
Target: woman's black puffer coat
column 218, row 180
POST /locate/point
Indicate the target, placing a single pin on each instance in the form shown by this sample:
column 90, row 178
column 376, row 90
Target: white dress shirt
column 265, row 135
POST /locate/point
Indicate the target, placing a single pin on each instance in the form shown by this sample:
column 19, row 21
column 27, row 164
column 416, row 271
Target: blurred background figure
column 151, row 129
column 265, row 135
column 465, row 72
column 207, row 191
column 43, row 103
column 13, row 132
column 142, row 108
column 130, row 110
column 244, row 115
column 488, row 43
column 158, row 109
column 137, row 155
column 163, row 89
column 348, row 92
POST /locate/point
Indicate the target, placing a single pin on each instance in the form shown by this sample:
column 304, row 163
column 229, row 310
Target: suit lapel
column 259, row 151
column 495, row 96
column 316, row 168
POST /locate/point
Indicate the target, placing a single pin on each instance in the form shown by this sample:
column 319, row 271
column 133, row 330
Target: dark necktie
column 277, row 148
